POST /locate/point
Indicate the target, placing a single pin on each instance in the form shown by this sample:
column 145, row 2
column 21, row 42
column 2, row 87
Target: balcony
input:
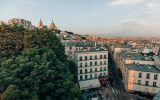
column 139, row 76
column 147, row 77
column 93, row 72
column 103, row 65
column 155, row 78
column 91, row 59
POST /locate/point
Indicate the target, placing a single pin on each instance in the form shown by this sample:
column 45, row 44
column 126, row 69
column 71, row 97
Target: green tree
column 37, row 73
column 33, row 65
column 45, row 38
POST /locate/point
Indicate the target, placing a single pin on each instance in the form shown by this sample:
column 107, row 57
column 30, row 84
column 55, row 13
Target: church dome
column 52, row 26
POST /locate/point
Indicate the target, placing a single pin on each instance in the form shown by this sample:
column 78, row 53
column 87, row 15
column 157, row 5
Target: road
column 115, row 94
column 117, row 91
column 115, row 76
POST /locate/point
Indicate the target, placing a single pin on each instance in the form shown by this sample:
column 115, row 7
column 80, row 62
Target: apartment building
column 92, row 66
column 117, row 50
column 141, row 78
column 71, row 47
column 140, row 72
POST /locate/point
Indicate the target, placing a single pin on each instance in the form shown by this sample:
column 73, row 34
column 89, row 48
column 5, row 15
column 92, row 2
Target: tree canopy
column 33, row 65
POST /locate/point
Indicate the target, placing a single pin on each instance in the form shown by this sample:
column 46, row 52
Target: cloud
column 124, row 2
column 128, row 20
column 151, row 5
column 144, row 26
column 151, row 8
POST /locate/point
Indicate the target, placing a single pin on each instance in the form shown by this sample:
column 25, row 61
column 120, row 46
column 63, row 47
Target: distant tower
column 52, row 26
column 40, row 26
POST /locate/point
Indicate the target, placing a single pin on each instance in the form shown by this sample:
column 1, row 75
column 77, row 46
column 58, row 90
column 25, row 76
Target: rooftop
column 91, row 50
column 124, row 46
column 135, row 56
column 81, row 44
column 143, row 68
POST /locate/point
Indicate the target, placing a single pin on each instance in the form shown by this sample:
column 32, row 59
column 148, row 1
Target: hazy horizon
column 127, row 17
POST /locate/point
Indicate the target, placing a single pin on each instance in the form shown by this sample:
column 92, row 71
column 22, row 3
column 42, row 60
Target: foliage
column 73, row 70
column 33, row 65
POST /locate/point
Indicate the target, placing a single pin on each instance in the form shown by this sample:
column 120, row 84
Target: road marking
column 116, row 91
column 113, row 90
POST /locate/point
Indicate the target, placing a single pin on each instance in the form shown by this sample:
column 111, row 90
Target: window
column 154, row 84
column 90, row 63
column 90, row 69
column 96, row 75
column 100, row 56
column 85, row 70
column 140, row 75
column 80, row 58
column 80, row 71
column 80, row 64
column 133, row 62
column 104, row 56
column 147, row 76
column 90, row 57
column 104, row 62
column 70, row 47
column 76, row 49
column 90, row 75
column 146, row 83
column 95, row 56
column 104, row 68
column 139, row 82
column 95, row 69
column 100, row 68
column 81, row 78
column 100, row 62
column 104, row 74
column 85, row 64
column 155, row 76
column 86, row 77
column 85, row 57
column 100, row 75
column 95, row 62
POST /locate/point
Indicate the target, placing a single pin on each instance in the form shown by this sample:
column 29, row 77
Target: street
column 115, row 94
column 117, row 91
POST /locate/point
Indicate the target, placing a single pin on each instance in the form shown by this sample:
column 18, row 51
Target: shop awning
column 88, row 84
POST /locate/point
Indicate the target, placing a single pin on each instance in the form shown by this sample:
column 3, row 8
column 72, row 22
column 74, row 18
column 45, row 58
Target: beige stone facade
column 91, row 66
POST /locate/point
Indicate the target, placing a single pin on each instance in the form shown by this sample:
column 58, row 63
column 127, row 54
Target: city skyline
column 134, row 17
column 80, row 50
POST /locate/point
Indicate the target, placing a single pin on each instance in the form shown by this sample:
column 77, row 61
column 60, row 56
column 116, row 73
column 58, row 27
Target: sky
column 110, row 17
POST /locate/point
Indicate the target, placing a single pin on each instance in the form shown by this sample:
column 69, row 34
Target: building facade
column 92, row 66
column 141, row 78
column 139, row 72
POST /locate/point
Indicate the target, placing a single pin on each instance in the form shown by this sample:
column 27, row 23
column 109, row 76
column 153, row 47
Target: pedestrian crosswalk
column 115, row 91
